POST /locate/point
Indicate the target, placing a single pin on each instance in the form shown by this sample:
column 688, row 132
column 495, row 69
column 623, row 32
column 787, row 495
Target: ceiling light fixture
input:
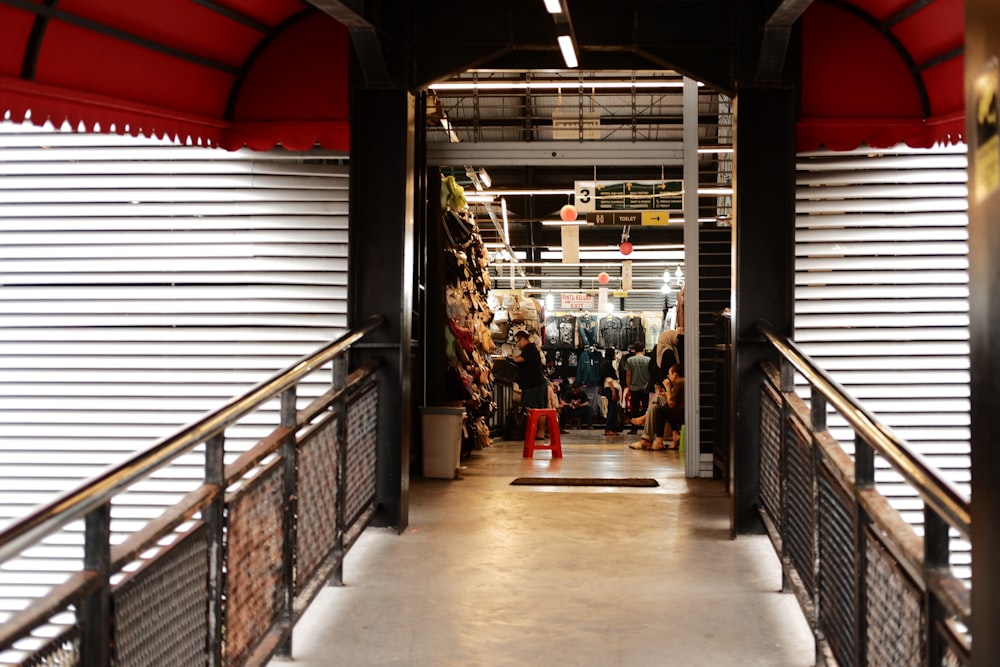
column 568, row 51
column 511, row 193
column 536, row 85
column 553, row 6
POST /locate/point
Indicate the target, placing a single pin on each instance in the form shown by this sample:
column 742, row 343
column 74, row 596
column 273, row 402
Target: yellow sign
column 619, row 294
column 655, row 218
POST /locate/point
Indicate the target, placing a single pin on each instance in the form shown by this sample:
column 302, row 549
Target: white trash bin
column 442, row 431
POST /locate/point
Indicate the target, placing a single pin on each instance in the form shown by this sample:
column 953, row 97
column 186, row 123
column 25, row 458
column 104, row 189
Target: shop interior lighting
column 527, row 193
column 553, row 6
column 484, row 177
column 479, row 198
column 591, row 84
column 568, row 51
column 715, row 149
column 506, row 222
column 564, row 223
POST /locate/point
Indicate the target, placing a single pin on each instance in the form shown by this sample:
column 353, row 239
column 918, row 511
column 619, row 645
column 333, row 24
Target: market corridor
column 493, row 574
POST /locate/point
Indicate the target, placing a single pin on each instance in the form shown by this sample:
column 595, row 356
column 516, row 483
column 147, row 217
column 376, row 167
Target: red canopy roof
column 882, row 72
column 227, row 73
column 263, row 72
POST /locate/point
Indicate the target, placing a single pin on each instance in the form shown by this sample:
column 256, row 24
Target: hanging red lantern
column 567, row 213
column 603, row 278
column 625, row 247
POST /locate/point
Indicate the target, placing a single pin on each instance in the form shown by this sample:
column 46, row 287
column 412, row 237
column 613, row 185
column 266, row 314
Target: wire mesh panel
column 895, row 612
column 837, row 603
column 799, row 513
column 63, row 651
column 256, row 536
column 362, row 423
column 161, row 612
column 770, row 451
column 317, row 527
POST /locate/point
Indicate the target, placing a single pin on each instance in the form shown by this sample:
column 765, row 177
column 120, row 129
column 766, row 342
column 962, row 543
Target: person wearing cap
column 530, row 375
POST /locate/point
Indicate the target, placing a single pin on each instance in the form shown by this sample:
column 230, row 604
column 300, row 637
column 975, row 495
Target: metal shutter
column 881, row 297
column 143, row 284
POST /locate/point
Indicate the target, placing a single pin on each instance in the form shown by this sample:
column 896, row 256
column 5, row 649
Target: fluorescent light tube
column 553, row 6
column 568, row 52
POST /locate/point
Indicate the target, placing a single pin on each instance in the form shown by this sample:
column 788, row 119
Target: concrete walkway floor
column 491, row 574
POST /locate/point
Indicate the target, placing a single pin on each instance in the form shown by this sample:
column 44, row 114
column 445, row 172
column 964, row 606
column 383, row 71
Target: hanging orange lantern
column 603, row 278
column 567, row 213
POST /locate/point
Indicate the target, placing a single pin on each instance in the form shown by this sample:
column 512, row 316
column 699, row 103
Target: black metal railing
column 221, row 577
column 874, row 591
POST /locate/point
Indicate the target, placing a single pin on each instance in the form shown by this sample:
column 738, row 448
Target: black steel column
column 381, row 275
column 763, row 271
column 982, row 48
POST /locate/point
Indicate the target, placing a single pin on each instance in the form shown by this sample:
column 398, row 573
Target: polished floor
column 490, row 574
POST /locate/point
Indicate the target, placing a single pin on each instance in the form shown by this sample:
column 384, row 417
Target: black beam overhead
column 693, row 38
column 365, row 38
column 777, row 33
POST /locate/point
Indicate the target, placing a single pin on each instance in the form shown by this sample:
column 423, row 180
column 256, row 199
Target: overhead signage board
column 593, row 196
column 647, row 218
column 576, row 301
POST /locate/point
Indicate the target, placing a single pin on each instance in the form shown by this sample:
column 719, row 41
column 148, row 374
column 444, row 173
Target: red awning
column 881, row 73
column 228, row 73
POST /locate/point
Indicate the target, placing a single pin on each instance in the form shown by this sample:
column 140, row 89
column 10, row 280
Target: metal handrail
column 938, row 493
column 91, row 494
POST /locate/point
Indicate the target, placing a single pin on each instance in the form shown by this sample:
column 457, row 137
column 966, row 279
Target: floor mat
column 584, row 481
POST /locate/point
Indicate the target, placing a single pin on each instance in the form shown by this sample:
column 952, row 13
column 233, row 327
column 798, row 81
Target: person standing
column 531, row 376
column 637, row 378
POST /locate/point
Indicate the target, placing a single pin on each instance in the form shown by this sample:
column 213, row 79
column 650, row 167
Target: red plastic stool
column 532, row 426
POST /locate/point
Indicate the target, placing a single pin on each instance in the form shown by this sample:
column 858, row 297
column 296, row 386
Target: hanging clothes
column 588, row 372
column 567, row 332
column 552, row 331
column 611, row 330
column 634, row 331
column 586, row 326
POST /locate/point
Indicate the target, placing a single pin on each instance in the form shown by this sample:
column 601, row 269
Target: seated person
column 665, row 416
column 576, row 405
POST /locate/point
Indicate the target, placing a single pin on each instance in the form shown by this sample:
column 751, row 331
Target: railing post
column 94, row 614
column 340, row 408
column 864, row 478
column 215, row 449
column 787, row 372
column 935, row 558
column 289, row 452
column 817, row 410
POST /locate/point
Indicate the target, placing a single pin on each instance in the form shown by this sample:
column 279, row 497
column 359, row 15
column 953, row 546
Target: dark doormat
column 583, row 481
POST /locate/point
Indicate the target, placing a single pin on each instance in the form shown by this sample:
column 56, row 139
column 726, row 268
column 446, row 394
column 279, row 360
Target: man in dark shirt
column 531, row 375
column 575, row 404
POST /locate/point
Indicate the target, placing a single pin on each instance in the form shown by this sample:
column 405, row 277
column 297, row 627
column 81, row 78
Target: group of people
column 654, row 386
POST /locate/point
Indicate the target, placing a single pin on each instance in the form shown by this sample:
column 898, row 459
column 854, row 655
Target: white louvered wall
column 143, row 284
column 882, row 295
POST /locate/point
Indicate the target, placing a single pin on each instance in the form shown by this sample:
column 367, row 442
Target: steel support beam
column 982, row 47
column 763, row 271
column 380, row 279
column 777, row 35
column 557, row 153
column 365, row 38
column 692, row 287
